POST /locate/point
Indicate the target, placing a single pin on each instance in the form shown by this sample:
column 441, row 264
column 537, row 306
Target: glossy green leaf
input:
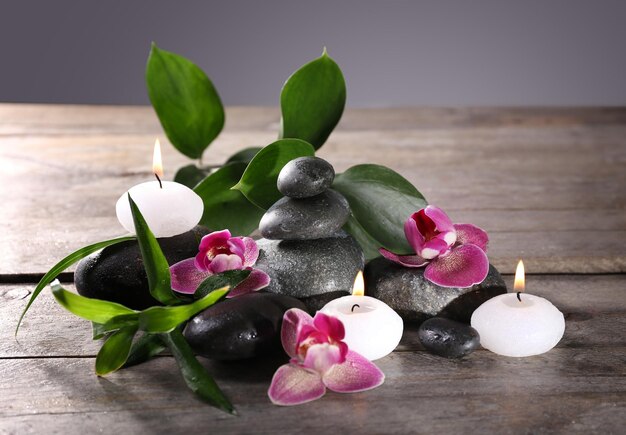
column 258, row 182
column 116, row 323
column 368, row 244
column 115, row 350
column 312, row 101
column 95, row 310
column 245, row 155
column 185, row 100
column 190, row 175
column 229, row 278
column 64, row 264
column 144, row 349
column 381, row 201
column 195, row 375
column 224, row 207
column 165, row 319
column 155, row 263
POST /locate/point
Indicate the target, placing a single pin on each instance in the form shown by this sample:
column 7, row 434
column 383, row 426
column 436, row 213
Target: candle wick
column 157, row 177
column 519, row 296
column 355, row 305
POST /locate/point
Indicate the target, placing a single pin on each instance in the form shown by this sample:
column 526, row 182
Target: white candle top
column 168, row 211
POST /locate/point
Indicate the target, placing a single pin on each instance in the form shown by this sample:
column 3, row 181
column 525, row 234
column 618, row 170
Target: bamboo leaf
column 114, row 351
column 165, row 319
column 258, row 182
column 229, row 278
column 185, row 100
column 195, row 375
column 144, row 348
column 64, row 264
column 155, row 263
column 312, row 101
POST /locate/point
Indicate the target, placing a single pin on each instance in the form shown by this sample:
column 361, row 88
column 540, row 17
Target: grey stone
column 305, row 176
column 448, row 338
column 304, row 219
column 243, row 327
column 416, row 299
column 311, row 270
column 116, row 273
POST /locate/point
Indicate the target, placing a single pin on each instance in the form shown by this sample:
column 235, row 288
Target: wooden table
column 549, row 185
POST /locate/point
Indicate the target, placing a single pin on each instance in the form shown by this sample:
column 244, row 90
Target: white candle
column 518, row 324
column 373, row 329
column 169, row 208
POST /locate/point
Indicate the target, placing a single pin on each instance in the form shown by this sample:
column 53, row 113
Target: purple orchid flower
column 454, row 254
column 218, row 253
column 319, row 360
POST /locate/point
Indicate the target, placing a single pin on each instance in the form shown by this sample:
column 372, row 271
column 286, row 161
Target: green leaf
column 64, row 264
column 115, row 350
column 226, row 208
column 190, row 175
column 381, row 201
column 99, row 330
column 187, row 104
column 245, row 155
column 155, row 263
column 312, row 101
column 230, row 279
column 258, row 182
column 368, row 244
column 194, row 374
column 95, row 310
column 165, row 319
column 145, row 348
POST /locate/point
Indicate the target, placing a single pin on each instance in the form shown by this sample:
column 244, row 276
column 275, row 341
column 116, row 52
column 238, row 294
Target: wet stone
column 448, row 338
column 304, row 219
column 116, row 273
column 305, row 177
column 314, row 271
column 243, row 327
column 416, row 299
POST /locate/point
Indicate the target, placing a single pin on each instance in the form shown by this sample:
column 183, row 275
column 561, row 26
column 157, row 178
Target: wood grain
column 536, row 179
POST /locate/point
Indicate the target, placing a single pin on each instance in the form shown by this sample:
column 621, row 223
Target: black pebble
column 448, row 338
column 305, row 176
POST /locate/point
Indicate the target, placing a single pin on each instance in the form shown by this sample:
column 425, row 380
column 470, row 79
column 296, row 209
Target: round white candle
column 169, row 208
column 168, row 211
column 527, row 326
column 373, row 329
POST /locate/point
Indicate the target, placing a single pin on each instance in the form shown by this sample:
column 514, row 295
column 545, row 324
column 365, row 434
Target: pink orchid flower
column 319, row 360
column 218, row 253
column 455, row 255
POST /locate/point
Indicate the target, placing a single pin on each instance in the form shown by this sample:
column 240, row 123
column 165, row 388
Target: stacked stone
column 304, row 250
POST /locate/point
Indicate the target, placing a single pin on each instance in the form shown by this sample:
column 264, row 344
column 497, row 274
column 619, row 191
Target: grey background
column 392, row 52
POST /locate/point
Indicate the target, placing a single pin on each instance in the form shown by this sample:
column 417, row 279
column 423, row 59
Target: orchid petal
column 223, row 262
column 216, row 238
column 464, row 266
column 331, row 326
column 405, row 260
column 293, row 385
column 356, row 373
column 255, row 281
column 293, row 321
column 471, row 234
column 321, row 357
column 413, row 235
column 237, row 247
column 186, row 277
column 251, row 252
column 441, row 220
column 433, row 248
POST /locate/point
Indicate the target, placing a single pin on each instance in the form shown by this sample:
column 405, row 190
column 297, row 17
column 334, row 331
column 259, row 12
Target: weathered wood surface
column 535, row 179
column 548, row 184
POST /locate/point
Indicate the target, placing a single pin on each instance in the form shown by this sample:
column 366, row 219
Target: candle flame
column 157, row 163
column 519, row 284
column 359, row 285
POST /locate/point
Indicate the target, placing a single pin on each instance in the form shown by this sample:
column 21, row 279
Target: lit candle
column 373, row 329
column 169, row 208
column 518, row 324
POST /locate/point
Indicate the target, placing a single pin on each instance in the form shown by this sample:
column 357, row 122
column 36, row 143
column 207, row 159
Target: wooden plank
column 565, row 390
column 528, row 176
column 594, row 306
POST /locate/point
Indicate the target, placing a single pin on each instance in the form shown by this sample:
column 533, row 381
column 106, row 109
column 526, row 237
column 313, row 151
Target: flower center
column 217, row 250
